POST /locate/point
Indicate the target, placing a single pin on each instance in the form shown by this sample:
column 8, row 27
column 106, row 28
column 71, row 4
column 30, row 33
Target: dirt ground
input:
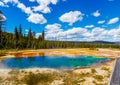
column 109, row 53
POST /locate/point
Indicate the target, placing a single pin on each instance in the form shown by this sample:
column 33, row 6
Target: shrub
column 85, row 74
column 98, row 77
column 82, row 80
column 74, row 79
column 2, row 53
column 92, row 48
column 14, row 72
column 0, row 79
column 33, row 79
column 93, row 71
column 70, row 80
column 105, row 68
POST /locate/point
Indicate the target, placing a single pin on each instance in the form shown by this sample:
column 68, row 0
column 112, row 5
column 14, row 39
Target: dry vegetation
column 99, row 52
column 95, row 75
column 81, row 76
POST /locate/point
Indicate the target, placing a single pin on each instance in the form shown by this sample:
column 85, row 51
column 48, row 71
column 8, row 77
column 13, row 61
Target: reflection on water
column 50, row 62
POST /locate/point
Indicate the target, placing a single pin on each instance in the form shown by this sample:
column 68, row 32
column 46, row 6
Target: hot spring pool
column 50, row 62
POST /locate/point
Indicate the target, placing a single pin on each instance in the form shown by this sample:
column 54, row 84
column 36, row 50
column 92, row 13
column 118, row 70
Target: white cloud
column 37, row 18
column 32, row 0
column 33, row 12
column 43, row 9
column 89, row 26
column 2, row 17
column 19, row 5
column 55, row 32
column 25, row 9
column 2, row 4
column 26, row 31
column 38, row 34
column 11, row 1
column 106, row 35
column 71, row 17
column 52, row 31
column 113, row 20
column 96, row 13
column 76, row 30
column 33, row 17
column 76, row 33
column 101, row 22
column 54, row 27
column 115, row 34
column 98, row 34
column 44, row 6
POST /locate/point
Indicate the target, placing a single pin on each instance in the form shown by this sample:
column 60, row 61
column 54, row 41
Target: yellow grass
column 110, row 53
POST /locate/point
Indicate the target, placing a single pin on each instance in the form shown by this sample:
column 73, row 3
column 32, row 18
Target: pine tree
column 1, row 22
column 43, row 35
column 0, row 34
column 20, row 30
column 20, row 37
column 30, row 37
column 34, row 40
column 16, row 38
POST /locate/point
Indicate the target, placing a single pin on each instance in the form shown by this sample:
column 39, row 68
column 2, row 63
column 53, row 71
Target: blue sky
column 77, row 20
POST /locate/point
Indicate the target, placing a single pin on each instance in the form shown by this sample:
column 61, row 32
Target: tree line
column 18, row 40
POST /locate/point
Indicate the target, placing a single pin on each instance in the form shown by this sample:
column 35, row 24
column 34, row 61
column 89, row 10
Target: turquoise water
column 50, row 62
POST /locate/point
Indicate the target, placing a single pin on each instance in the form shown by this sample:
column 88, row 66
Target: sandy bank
column 92, row 75
column 110, row 53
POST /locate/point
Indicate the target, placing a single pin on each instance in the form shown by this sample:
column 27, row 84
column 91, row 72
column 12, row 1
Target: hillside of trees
column 17, row 40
